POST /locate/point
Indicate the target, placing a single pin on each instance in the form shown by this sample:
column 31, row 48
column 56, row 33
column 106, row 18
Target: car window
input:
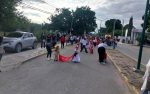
column 30, row 35
column 25, row 35
column 14, row 35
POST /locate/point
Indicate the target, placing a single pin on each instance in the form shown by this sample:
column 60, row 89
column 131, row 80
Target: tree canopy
column 78, row 21
column 10, row 18
column 110, row 25
column 148, row 22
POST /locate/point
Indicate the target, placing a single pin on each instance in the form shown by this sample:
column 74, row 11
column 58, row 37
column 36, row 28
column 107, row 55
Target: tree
column 130, row 26
column 148, row 22
column 7, row 13
column 78, row 21
column 110, row 25
column 61, row 21
column 84, row 20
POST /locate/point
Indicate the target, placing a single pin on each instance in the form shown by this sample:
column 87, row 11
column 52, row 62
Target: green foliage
column 10, row 18
column 61, row 21
column 78, row 21
column 110, row 25
column 148, row 22
column 84, row 20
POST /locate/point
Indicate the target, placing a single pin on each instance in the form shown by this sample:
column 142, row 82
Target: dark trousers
column 1, row 56
column 71, row 42
column 49, row 53
column 84, row 47
column 94, row 44
column 101, row 52
column 43, row 44
column 81, row 46
column 62, row 44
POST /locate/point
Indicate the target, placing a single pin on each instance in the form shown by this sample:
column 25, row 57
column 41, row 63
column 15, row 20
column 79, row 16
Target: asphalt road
column 39, row 76
column 133, row 52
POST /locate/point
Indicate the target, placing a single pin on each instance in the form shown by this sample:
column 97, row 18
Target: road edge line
column 125, row 79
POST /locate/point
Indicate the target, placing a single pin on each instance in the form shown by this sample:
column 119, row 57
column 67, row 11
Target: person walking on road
column 2, row 51
column 114, row 43
column 49, row 50
column 84, row 45
column 62, row 40
column 81, row 44
column 43, row 40
column 56, row 53
column 102, row 52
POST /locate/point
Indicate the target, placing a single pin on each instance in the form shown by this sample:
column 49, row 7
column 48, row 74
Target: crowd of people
column 85, row 43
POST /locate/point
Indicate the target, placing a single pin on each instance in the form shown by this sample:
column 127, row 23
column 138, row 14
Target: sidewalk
column 11, row 61
column 125, row 66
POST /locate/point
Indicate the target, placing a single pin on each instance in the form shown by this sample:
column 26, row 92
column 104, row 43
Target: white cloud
column 105, row 9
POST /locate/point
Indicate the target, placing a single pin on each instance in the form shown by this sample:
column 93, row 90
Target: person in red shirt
column 62, row 40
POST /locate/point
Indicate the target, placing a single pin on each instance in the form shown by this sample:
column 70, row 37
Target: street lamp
column 100, row 27
column 122, row 27
column 114, row 27
column 143, row 34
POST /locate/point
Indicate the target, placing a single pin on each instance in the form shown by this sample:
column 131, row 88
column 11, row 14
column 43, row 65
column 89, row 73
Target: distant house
column 136, row 33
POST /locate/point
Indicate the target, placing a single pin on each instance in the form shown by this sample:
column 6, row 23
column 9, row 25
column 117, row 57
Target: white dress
column 76, row 58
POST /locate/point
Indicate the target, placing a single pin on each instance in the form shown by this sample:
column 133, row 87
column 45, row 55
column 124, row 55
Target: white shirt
column 81, row 40
column 102, row 45
column 84, row 42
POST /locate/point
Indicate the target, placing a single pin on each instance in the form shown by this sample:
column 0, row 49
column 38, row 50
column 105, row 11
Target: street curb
column 16, row 65
column 130, row 57
column 13, row 66
column 126, row 80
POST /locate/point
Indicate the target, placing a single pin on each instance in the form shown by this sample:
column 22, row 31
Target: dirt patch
column 127, row 65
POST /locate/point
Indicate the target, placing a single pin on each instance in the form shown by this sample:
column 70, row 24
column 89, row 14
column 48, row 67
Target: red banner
column 65, row 59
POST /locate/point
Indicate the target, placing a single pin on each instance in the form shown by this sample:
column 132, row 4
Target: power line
column 34, row 8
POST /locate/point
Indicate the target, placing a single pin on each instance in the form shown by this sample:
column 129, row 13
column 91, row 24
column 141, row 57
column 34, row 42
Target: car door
column 25, row 41
column 31, row 40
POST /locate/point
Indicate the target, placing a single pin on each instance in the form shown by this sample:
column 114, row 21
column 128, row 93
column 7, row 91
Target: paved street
column 133, row 51
column 39, row 76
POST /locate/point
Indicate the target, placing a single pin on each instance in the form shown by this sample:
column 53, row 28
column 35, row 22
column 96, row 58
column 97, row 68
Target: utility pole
column 122, row 27
column 114, row 27
column 100, row 26
column 143, row 35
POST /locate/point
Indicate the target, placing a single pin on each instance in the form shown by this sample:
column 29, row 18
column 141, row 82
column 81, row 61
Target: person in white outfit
column 145, row 77
column 76, row 57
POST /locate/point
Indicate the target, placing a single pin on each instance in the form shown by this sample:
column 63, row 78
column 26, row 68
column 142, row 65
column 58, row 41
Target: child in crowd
column 77, row 47
column 56, row 53
column 76, row 57
column 91, row 47
column 49, row 50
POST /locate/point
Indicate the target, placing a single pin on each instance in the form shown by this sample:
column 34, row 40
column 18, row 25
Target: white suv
column 16, row 41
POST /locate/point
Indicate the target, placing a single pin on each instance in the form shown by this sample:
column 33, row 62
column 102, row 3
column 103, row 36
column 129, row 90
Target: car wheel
column 18, row 48
column 34, row 45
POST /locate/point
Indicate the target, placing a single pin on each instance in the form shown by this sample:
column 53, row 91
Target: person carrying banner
column 56, row 53
column 76, row 57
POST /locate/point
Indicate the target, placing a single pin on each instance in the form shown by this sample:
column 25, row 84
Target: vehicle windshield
column 15, row 35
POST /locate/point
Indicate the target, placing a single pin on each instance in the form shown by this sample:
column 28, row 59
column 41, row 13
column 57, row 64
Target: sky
column 104, row 9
